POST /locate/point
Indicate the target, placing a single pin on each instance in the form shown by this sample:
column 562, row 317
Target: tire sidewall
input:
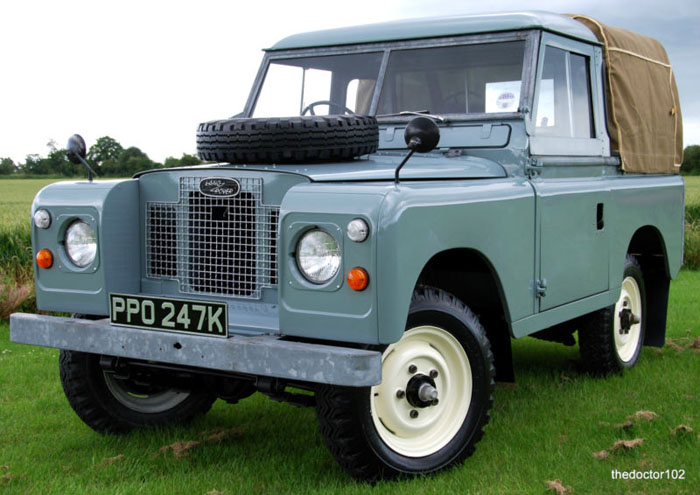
column 451, row 321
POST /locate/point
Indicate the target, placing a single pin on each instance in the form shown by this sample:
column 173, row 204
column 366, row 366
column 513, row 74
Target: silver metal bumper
column 258, row 355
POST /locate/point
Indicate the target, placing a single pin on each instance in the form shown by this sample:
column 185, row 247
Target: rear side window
column 564, row 96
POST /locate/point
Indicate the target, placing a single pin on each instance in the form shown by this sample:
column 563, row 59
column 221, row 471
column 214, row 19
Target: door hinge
column 541, row 287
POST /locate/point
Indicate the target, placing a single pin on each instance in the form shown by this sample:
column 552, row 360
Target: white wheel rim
column 144, row 403
column 427, row 348
column 626, row 343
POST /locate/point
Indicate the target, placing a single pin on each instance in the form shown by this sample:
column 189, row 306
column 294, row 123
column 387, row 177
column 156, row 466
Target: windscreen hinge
column 533, row 168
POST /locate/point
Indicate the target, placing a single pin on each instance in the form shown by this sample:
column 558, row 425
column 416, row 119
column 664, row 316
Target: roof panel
column 438, row 26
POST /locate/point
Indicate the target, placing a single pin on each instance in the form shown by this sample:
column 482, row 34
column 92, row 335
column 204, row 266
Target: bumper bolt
column 413, row 414
column 412, row 369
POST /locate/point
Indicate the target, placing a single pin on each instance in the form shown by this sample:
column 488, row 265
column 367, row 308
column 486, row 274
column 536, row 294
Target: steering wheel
column 331, row 104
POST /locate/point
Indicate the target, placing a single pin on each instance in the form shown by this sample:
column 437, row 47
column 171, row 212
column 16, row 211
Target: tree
column 106, row 148
column 35, row 165
column 691, row 160
column 189, row 160
column 171, row 162
column 185, row 161
column 7, row 166
column 132, row 160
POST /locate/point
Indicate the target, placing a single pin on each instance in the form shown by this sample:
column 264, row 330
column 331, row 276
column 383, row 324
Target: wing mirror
column 76, row 151
column 422, row 135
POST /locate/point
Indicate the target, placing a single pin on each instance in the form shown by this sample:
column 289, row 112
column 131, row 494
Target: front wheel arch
column 484, row 295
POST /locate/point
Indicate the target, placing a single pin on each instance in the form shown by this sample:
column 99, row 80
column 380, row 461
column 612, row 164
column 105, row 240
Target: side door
column 571, row 153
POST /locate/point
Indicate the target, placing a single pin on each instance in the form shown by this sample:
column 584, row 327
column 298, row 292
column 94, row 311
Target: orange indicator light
column 358, row 278
column 44, row 258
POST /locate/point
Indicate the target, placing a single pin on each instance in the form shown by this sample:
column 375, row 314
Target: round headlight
column 42, row 219
column 318, row 256
column 81, row 243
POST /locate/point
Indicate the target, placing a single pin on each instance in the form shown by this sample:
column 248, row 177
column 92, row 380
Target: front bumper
column 264, row 355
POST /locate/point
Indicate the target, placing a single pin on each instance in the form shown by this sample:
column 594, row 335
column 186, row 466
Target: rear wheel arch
column 648, row 247
column 483, row 294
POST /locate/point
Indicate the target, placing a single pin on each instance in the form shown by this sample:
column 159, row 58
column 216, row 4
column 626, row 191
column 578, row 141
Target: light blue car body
column 530, row 232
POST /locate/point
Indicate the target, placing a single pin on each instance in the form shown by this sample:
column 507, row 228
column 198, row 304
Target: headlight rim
column 299, row 266
column 75, row 261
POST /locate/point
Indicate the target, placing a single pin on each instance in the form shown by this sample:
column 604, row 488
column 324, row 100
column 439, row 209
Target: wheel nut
column 400, row 394
column 435, row 402
column 412, row 369
column 414, row 414
column 433, row 373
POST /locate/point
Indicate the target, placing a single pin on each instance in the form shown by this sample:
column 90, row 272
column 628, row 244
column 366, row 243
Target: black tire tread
column 597, row 339
column 287, row 140
column 335, row 405
column 86, row 395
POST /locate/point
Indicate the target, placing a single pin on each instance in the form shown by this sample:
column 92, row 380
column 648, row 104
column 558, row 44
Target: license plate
column 170, row 315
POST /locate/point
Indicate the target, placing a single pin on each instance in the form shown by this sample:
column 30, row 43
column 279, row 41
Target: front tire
column 109, row 404
column 611, row 339
column 432, row 405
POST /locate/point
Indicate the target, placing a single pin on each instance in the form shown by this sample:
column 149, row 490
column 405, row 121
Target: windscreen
column 324, row 85
column 477, row 78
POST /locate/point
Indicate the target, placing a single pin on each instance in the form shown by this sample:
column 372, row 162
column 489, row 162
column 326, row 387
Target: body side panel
column 641, row 200
column 111, row 208
column 331, row 311
column 420, row 220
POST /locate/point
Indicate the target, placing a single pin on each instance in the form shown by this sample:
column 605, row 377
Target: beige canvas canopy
column 644, row 114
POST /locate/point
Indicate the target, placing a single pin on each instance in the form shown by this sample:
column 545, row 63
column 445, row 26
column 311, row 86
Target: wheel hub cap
column 628, row 321
column 413, row 413
column 421, row 391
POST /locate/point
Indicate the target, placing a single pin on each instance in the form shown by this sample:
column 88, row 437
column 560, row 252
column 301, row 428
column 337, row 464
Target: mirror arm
column 90, row 170
column 396, row 172
column 413, row 144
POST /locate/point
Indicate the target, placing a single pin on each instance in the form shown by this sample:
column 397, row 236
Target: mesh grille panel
column 222, row 246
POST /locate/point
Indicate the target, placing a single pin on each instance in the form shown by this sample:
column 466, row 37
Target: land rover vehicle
column 540, row 196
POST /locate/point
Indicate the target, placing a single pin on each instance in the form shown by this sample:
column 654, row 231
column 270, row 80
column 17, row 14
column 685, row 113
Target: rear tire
column 112, row 405
column 611, row 339
column 394, row 429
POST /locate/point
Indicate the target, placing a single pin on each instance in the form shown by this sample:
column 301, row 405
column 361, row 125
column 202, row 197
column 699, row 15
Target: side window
column 564, row 96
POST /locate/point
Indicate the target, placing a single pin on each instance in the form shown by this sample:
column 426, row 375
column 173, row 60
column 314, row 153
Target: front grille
column 218, row 246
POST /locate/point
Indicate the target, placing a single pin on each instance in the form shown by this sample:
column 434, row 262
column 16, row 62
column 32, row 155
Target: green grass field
column 16, row 200
column 545, row 427
column 692, row 189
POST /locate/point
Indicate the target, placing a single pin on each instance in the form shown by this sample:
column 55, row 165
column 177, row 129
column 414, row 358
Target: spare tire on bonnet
column 302, row 139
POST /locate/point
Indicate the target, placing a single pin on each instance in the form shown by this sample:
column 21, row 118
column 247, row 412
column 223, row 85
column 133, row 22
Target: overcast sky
column 147, row 72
